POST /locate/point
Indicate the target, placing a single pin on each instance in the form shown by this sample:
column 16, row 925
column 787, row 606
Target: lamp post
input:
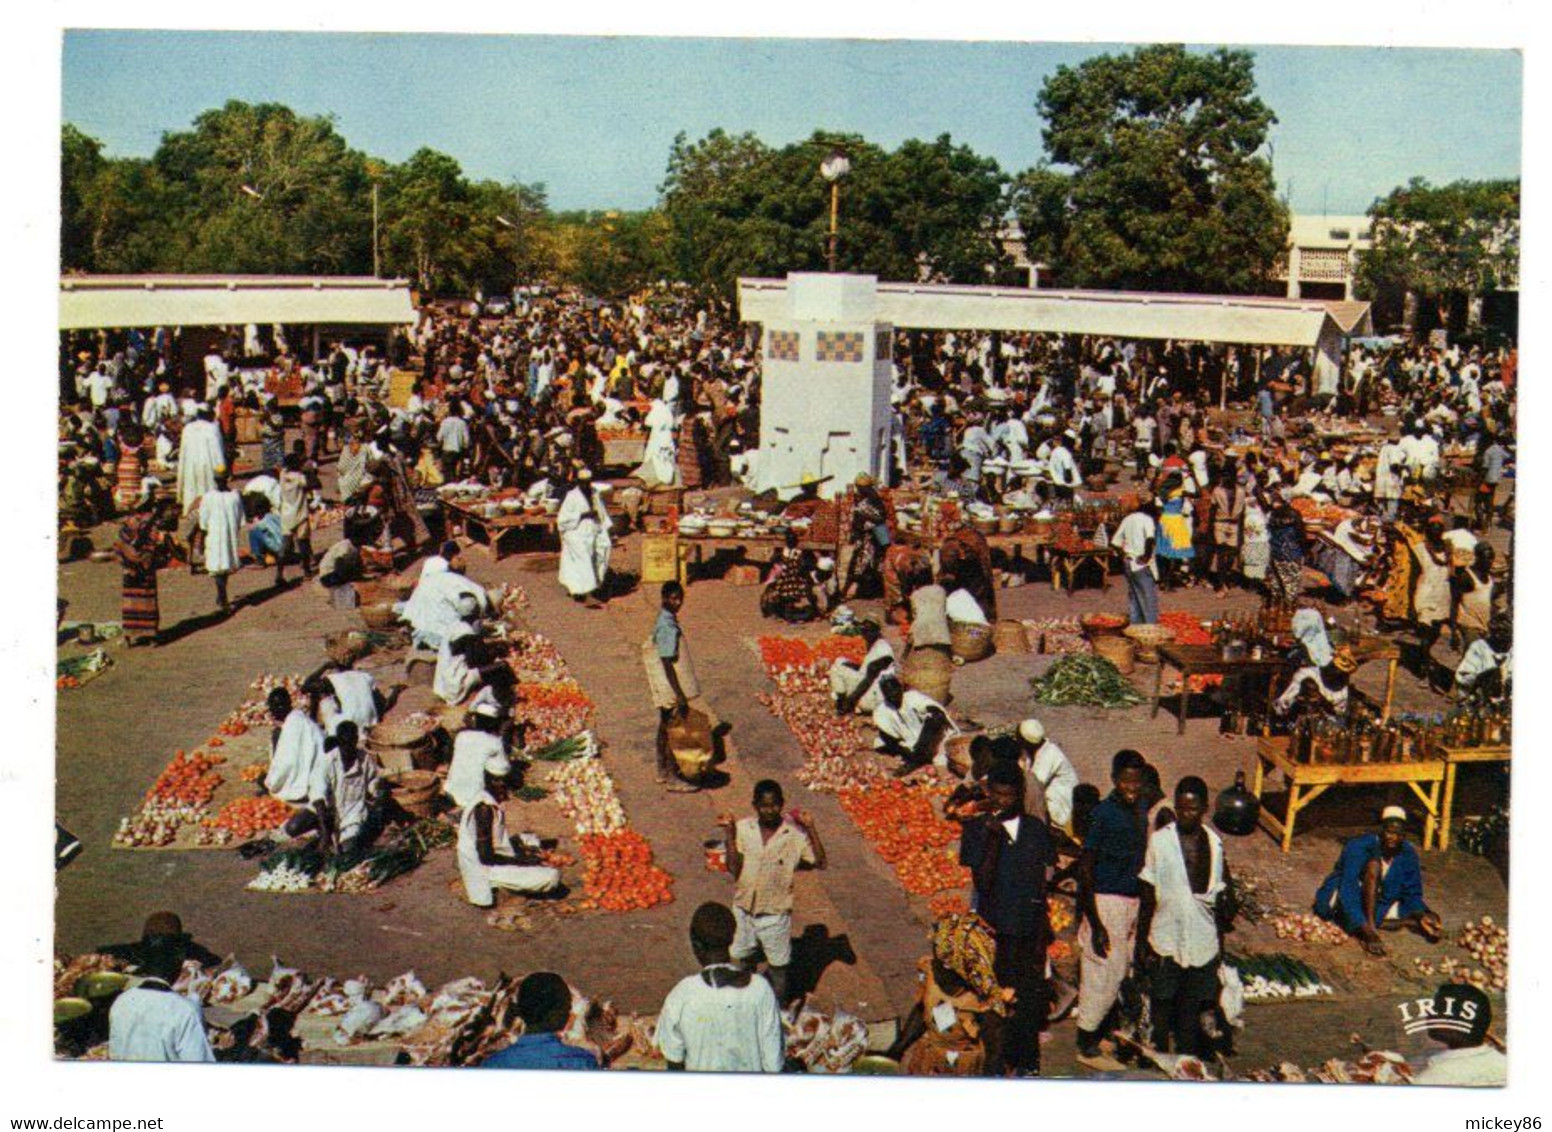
column 834, row 168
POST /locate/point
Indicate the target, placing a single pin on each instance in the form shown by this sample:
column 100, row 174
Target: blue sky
column 593, row 118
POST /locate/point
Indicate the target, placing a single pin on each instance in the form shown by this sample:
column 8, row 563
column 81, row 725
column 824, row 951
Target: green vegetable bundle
column 1085, row 679
column 562, row 750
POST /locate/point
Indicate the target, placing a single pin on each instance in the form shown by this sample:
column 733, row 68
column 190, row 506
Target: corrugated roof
column 88, row 302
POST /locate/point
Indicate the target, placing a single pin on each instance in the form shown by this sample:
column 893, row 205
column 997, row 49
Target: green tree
column 80, row 165
column 1156, row 178
column 738, row 207
column 1442, row 241
column 263, row 189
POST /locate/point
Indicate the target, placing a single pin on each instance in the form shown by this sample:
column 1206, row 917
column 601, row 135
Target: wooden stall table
column 625, row 451
column 464, row 519
column 1453, row 758
column 1368, row 649
column 1065, row 564
column 1205, row 660
column 696, row 546
column 1308, row 781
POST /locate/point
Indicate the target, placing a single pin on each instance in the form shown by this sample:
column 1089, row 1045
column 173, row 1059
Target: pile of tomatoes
column 248, row 817
column 187, row 781
column 1188, row 630
column 618, row 874
column 837, row 647
column 782, row 654
column 905, row 828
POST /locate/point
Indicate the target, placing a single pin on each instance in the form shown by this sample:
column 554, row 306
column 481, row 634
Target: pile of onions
column 1307, row 927
column 586, row 794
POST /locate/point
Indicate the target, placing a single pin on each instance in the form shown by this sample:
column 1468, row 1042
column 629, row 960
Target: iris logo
column 1438, row 1012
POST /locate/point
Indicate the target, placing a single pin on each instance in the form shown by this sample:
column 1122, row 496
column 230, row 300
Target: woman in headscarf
column 352, row 464
column 868, row 534
column 901, row 564
column 400, row 511
column 1175, row 551
column 144, row 547
column 1431, row 597
column 1285, row 534
column 955, row 1022
column 272, row 437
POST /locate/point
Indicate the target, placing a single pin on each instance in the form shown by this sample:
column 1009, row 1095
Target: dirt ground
column 859, row 935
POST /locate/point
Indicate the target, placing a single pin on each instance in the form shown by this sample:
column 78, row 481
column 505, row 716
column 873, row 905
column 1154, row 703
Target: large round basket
column 970, row 641
column 400, row 734
column 379, row 617
column 451, row 717
column 956, row 749
column 414, row 791
column 1096, row 625
column 1119, row 651
column 1148, row 638
column 1010, row 638
column 930, row 672
column 346, row 648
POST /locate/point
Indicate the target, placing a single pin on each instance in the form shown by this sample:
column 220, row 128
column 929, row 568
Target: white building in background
column 1322, row 257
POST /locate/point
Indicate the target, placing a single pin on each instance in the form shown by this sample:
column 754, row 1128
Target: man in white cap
column 1377, row 885
column 583, row 523
column 488, row 859
column 1049, row 777
column 478, row 750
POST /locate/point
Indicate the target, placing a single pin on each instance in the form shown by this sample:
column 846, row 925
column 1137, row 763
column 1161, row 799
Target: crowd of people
column 526, row 402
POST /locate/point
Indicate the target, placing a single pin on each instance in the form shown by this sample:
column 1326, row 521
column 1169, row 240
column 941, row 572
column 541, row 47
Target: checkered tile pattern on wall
column 783, row 346
column 839, row 346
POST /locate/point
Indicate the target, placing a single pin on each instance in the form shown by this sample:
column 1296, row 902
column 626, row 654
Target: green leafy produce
column 1087, row 680
column 532, row 794
column 562, row 750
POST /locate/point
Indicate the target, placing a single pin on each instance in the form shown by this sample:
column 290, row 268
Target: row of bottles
column 1319, row 739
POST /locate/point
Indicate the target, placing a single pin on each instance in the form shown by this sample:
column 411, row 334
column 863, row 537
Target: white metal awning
column 90, row 302
column 1238, row 319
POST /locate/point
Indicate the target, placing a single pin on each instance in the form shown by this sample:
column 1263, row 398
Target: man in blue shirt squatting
column 544, row 1005
column 1377, row 885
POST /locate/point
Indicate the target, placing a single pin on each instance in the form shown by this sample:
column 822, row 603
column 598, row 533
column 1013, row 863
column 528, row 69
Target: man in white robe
column 220, row 522
column 432, row 609
column 661, row 466
column 584, row 541
column 297, row 749
column 475, row 748
column 455, row 677
column 200, row 459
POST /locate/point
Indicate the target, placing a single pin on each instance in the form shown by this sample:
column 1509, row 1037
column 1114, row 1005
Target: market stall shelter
column 827, row 368
column 329, row 305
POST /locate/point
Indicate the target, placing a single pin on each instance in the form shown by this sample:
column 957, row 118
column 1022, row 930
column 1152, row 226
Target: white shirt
column 1185, row 928
column 466, row 774
column 1055, row 773
column 156, row 1025
column 453, row 434
column 904, row 724
column 1131, row 539
column 721, row 1029
column 1064, row 471
column 297, row 753
column 353, row 699
column 1472, row 1065
column 1479, row 660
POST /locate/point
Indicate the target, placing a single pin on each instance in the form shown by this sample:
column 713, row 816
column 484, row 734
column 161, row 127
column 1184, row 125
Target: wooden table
column 1453, row 758
column 1367, row 649
column 1205, row 660
column 698, row 545
column 1068, row 562
column 1308, row 781
column 465, row 519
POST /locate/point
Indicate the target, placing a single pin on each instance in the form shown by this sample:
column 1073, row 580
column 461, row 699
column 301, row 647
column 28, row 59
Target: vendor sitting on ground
column 462, row 657
column 487, row 857
column 1377, row 885
column 958, row 1010
column 793, row 591
column 477, row 750
column 929, row 617
column 346, row 796
column 855, row 687
column 910, row 724
column 296, row 748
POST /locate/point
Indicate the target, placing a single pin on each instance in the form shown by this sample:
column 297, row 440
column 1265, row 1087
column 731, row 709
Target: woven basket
column 414, row 791
column 956, row 749
column 399, row 735
column 346, row 648
column 984, row 526
column 1093, row 627
column 1119, row 651
column 378, row 616
column 930, row 672
column 1148, row 638
column 1010, row 637
column 451, row 717
column 969, row 641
